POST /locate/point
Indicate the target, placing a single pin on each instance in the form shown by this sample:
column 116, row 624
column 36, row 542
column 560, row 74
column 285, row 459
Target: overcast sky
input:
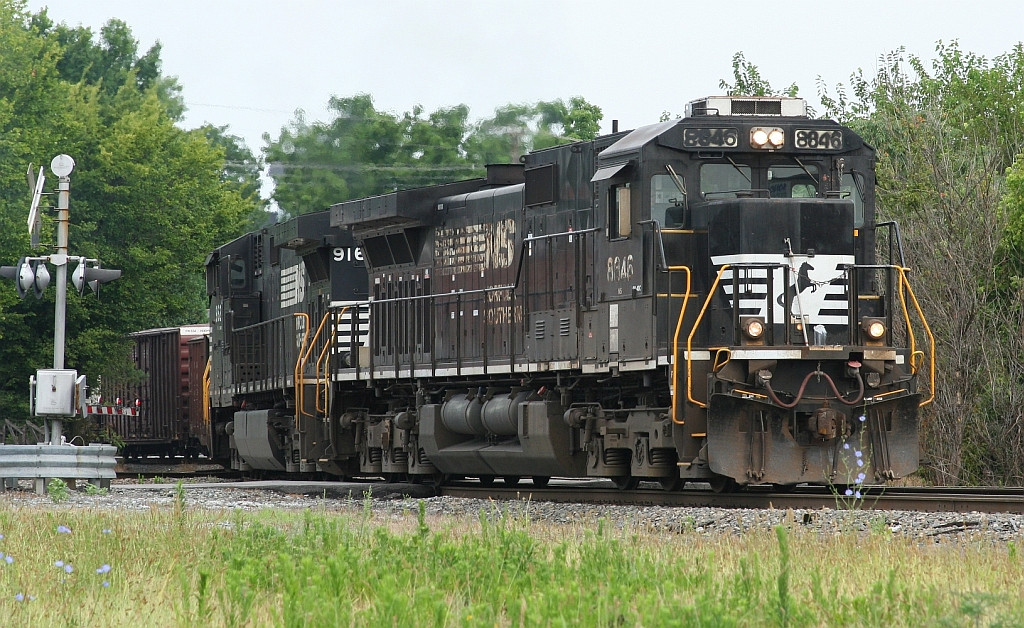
column 250, row 64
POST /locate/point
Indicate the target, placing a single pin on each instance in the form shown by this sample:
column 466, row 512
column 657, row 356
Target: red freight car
column 164, row 424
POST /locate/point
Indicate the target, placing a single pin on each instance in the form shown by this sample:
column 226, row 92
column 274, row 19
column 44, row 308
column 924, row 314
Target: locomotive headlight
column 874, row 329
column 753, row 328
column 767, row 138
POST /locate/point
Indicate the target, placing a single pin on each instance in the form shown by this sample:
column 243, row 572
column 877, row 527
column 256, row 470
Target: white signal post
column 56, row 393
column 62, row 166
column 31, row 273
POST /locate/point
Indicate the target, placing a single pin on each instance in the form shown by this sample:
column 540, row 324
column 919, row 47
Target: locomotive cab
column 752, row 251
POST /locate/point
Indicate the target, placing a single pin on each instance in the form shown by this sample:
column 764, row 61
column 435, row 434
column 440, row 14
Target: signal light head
column 92, row 276
column 30, row 275
column 25, row 277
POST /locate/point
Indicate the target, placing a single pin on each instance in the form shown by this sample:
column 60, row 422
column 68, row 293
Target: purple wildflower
column 63, row 529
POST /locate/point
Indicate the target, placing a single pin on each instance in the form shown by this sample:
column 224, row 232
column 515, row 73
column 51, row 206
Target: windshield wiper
column 677, row 180
column 806, row 171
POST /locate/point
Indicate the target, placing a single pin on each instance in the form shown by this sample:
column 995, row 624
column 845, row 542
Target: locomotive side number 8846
column 817, row 139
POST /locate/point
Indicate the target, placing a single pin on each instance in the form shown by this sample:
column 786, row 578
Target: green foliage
column 318, row 568
column 147, row 197
column 57, row 490
column 785, row 603
column 362, row 151
column 946, row 131
column 749, row 82
column 93, row 490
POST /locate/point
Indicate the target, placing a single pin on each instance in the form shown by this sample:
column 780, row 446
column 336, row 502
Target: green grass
column 182, row 567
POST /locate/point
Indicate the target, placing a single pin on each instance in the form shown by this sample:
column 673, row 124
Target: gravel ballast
column 400, row 503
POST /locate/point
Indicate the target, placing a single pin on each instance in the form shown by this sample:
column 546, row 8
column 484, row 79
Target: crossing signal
column 92, row 276
column 30, row 275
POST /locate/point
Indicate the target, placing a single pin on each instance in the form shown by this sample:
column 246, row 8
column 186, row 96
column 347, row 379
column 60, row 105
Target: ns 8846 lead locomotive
column 695, row 300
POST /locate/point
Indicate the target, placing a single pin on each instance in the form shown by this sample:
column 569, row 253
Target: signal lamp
column 30, row 275
column 92, row 276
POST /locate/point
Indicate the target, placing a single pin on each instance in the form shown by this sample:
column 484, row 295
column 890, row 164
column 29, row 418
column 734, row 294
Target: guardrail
column 40, row 463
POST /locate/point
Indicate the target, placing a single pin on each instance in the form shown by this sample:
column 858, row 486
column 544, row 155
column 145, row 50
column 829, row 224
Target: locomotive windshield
column 733, row 179
column 724, row 180
column 793, row 181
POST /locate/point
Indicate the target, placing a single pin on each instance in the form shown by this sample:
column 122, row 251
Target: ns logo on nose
column 817, row 289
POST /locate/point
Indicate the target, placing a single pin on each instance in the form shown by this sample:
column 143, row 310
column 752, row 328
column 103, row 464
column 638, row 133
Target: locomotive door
column 624, row 330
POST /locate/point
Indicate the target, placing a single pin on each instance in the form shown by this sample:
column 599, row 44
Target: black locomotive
column 695, row 300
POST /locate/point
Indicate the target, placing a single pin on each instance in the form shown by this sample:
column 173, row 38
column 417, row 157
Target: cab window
column 724, row 180
column 793, row 181
column 237, row 275
column 667, row 201
column 619, row 215
column 850, row 190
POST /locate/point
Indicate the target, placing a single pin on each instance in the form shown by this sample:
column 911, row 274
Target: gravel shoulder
column 398, row 505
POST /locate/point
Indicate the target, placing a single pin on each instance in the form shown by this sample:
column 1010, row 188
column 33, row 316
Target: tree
column 749, row 82
column 242, row 170
column 364, row 152
column 147, row 197
column 944, row 137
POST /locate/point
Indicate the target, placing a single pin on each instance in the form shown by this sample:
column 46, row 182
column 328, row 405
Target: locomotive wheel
column 510, row 480
column 486, row 480
column 671, row 484
column 394, row 478
column 541, row 480
column 626, row 482
column 723, row 484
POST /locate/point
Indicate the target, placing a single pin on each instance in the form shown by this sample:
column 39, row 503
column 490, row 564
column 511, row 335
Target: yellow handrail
column 675, row 341
column 321, row 361
column 927, row 329
column 693, row 332
column 716, row 365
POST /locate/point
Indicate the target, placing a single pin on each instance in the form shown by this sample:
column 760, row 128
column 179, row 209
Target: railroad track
column 919, row 499
column 150, row 468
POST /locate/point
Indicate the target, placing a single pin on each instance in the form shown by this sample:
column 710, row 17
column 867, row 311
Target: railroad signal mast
column 56, row 392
